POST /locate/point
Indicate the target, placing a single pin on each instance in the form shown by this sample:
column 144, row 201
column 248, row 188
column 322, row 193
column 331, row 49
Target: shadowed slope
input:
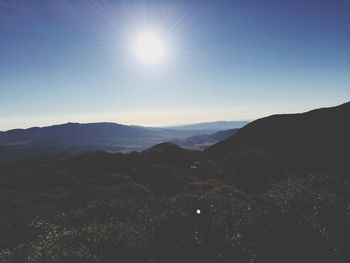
column 318, row 135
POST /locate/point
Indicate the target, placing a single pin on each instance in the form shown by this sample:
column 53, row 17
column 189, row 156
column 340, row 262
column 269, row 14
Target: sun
column 149, row 48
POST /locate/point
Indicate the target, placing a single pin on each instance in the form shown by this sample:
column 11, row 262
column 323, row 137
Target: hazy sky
column 67, row 60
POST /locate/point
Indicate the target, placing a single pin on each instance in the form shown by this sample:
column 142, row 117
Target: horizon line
column 161, row 126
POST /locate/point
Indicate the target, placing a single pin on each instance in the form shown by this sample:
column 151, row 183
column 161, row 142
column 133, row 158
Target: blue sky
column 66, row 61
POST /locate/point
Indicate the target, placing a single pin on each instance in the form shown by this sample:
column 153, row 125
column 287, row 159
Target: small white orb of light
column 198, row 211
column 149, row 48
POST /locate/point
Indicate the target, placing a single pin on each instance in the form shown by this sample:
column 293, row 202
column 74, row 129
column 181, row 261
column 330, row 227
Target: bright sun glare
column 149, row 48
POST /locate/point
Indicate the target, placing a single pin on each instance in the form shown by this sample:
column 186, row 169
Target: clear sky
column 75, row 61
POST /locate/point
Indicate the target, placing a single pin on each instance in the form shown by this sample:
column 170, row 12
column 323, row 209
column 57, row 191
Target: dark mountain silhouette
column 200, row 142
column 319, row 136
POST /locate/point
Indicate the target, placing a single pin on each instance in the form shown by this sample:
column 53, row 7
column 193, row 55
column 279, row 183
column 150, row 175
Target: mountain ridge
column 73, row 138
column 320, row 135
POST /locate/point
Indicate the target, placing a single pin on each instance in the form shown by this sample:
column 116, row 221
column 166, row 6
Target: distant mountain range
column 212, row 126
column 73, row 138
